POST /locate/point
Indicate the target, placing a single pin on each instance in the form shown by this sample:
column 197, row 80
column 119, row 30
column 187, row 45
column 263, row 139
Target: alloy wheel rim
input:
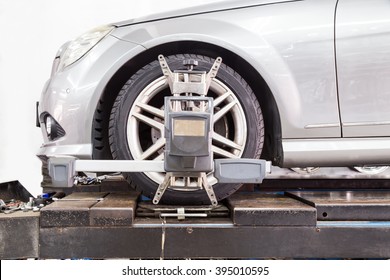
column 146, row 113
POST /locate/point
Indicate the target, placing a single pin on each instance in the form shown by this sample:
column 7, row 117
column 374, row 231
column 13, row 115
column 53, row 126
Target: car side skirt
column 336, row 152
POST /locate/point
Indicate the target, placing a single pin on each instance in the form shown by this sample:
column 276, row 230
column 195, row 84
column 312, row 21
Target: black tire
column 128, row 95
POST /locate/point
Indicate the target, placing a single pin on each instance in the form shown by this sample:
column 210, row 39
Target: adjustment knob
column 190, row 63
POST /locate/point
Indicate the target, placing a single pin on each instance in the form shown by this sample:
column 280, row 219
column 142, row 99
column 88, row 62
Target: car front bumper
column 70, row 96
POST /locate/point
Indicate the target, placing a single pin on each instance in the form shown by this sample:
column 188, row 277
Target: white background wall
column 30, row 34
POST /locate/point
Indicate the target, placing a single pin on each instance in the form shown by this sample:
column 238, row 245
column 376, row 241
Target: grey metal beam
column 215, row 241
column 119, row 165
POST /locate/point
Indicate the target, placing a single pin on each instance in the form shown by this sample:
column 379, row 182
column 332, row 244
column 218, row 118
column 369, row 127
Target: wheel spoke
column 221, row 98
column 159, row 157
column 222, row 152
column 223, row 111
column 149, row 121
column 153, row 149
column 223, row 140
column 153, row 110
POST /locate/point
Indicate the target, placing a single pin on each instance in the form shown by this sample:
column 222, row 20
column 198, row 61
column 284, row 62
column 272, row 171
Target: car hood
column 207, row 8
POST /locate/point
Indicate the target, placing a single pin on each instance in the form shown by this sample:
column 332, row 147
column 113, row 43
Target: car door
column 363, row 66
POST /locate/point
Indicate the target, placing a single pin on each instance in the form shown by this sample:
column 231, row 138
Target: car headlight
column 72, row 51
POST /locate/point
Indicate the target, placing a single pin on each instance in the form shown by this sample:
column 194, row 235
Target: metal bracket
column 165, row 68
column 209, row 190
column 162, row 188
column 189, row 81
column 181, row 214
column 167, row 182
column 213, row 71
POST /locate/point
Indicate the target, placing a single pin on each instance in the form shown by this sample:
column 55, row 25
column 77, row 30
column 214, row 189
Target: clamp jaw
column 188, row 127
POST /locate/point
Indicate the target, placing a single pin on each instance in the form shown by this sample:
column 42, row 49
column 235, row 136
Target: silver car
column 303, row 83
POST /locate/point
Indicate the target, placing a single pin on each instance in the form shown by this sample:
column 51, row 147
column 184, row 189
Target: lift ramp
column 106, row 225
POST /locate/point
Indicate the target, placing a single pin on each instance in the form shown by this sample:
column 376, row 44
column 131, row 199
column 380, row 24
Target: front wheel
column 137, row 125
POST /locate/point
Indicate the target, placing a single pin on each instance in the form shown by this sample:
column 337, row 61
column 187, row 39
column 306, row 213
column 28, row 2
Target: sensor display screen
column 189, row 128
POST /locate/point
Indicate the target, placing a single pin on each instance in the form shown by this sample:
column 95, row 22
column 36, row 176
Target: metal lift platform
column 248, row 225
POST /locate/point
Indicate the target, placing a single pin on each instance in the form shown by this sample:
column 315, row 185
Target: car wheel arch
column 272, row 147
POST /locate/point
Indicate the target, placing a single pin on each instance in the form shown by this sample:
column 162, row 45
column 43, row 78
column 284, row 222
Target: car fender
column 267, row 54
